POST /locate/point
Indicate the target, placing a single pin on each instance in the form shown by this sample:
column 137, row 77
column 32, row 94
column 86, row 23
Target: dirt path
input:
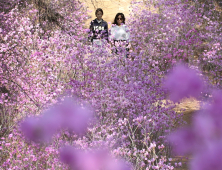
column 189, row 106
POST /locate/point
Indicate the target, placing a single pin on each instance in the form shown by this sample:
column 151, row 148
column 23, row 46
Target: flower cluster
column 183, row 82
column 67, row 115
column 91, row 160
column 172, row 31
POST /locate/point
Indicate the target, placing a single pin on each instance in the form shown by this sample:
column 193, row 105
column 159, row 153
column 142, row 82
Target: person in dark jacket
column 98, row 28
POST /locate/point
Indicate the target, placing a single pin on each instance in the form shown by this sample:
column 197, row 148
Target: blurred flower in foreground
column 90, row 160
column 210, row 158
column 75, row 116
column 216, row 108
column 183, row 82
column 67, row 115
column 183, row 141
column 35, row 130
column 69, row 155
column 203, row 139
column 118, row 165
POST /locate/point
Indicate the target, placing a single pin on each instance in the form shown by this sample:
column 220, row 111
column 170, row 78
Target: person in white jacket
column 120, row 32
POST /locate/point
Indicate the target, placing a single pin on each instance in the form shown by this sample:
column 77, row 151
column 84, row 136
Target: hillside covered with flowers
column 65, row 104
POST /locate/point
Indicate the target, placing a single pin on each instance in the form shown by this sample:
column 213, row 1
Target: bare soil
column 188, row 107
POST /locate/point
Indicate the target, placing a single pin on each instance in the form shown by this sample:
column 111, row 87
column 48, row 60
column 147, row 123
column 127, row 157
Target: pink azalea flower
column 183, row 141
column 118, row 165
column 216, row 108
column 209, row 159
column 82, row 160
column 75, row 117
column 91, row 160
column 36, row 130
column 69, row 155
column 204, row 127
column 183, row 82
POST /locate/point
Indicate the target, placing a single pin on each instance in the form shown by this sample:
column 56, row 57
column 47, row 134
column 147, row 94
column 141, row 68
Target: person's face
column 119, row 20
column 99, row 15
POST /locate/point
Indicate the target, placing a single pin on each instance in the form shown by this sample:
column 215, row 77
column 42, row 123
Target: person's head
column 119, row 19
column 99, row 13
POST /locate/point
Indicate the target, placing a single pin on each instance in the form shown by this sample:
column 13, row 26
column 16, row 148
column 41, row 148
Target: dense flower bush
column 33, row 65
column 179, row 30
column 132, row 99
column 44, row 59
column 184, row 83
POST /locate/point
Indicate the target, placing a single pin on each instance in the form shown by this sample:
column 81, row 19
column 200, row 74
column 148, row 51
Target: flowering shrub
column 44, row 59
column 183, row 82
column 211, row 63
column 169, row 30
column 187, row 31
column 136, row 107
column 31, row 75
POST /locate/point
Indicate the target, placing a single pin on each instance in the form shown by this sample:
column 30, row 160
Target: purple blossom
column 183, row 141
column 85, row 160
column 68, row 115
column 36, row 130
column 118, row 165
column 74, row 116
column 215, row 109
column 203, row 138
column 209, row 158
column 183, row 82
column 69, row 155
column 39, row 63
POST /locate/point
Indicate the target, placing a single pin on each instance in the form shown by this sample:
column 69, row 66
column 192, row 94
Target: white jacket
column 120, row 32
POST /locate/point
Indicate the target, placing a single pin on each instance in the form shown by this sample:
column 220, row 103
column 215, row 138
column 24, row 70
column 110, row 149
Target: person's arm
column 113, row 30
column 127, row 33
column 106, row 33
column 128, row 37
column 90, row 36
column 112, row 34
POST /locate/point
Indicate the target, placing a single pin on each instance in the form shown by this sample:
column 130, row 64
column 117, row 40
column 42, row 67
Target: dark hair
column 99, row 9
column 122, row 16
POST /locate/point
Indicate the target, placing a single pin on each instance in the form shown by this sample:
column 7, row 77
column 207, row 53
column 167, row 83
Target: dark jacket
column 98, row 30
